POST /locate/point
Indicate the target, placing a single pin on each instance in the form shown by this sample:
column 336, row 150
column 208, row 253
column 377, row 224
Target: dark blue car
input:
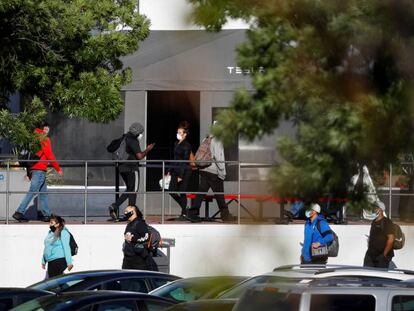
column 12, row 297
column 118, row 280
column 96, row 301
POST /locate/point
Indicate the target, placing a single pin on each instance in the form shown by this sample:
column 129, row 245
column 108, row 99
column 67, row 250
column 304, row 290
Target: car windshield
column 59, row 284
column 193, row 289
column 237, row 290
column 45, row 303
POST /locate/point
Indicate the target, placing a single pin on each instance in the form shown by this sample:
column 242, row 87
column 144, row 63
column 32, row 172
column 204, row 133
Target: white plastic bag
column 165, row 182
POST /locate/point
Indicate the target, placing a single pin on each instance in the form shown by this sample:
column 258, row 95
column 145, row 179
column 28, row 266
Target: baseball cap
column 316, row 208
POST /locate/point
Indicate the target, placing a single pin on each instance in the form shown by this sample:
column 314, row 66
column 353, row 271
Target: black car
column 118, row 280
column 96, row 301
column 205, row 305
column 12, row 297
column 190, row 289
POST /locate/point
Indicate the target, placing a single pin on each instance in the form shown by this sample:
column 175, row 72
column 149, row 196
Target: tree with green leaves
column 340, row 70
column 64, row 56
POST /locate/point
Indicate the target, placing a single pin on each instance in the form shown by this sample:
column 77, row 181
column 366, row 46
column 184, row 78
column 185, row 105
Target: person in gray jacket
column 212, row 177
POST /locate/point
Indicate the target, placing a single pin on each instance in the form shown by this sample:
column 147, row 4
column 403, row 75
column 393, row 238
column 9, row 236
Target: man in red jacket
column 38, row 182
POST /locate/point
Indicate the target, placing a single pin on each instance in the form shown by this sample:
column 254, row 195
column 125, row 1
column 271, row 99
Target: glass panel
column 335, row 302
column 403, row 303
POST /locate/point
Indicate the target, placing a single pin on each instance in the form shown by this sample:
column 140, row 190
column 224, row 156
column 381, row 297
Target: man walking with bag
column 130, row 171
column 381, row 240
column 37, row 175
column 317, row 236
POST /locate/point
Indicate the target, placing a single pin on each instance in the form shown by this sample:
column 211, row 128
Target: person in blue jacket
column 315, row 238
column 57, row 254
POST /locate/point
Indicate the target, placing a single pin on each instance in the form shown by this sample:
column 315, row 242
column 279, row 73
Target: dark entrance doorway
column 165, row 109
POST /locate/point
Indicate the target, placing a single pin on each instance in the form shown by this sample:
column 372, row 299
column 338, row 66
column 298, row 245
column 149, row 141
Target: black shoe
column 194, row 218
column 182, row 217
column 113, row 212
column 19, row 217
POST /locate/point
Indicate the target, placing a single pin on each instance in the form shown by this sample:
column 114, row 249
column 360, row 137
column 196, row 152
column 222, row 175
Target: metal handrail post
column 163, row 193
column 390, row 192
column 85, row 197
column 7, row 192
column 239, row 194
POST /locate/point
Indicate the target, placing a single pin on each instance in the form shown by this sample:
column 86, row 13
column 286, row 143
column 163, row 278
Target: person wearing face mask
column 136, row 237
column 381, row 239
column 57, row 255
column 317, row 234
column 37, row 176
column 181, row 171
column 130, row 171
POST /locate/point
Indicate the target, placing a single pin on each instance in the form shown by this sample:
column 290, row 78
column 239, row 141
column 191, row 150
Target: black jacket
column 137, row 247
column 181, row 152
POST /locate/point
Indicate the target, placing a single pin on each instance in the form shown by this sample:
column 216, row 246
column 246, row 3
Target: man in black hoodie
column 130, row 171
column 136, row 235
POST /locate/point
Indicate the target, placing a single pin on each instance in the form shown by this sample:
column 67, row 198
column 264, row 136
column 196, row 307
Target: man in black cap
column 130, row 171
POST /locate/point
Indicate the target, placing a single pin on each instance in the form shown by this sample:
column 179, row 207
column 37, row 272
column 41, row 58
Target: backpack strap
column 318, row 227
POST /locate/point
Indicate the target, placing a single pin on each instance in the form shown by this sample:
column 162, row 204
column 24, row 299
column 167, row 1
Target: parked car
column 205, row 305
column 190, row 289
column 294, row 273
column 96, row 300
column 330, row 294
column 12, row 297
column 125, row 280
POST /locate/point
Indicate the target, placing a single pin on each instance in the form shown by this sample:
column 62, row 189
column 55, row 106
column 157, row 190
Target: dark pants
column 181, row 198
column 56, row 267
column 207, row 181
column 131, row 180
column 315, row 261
column 135, row 263
column 376, row 260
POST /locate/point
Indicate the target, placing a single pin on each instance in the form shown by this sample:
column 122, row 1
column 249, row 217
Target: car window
column 119, row 305
column 337, row 302
column 155, row 305
column 6, row 303
column 132, row 285
column 402, row 303
column 158, row 282
column 268, row 300
column 237, row 290
column 59, row 284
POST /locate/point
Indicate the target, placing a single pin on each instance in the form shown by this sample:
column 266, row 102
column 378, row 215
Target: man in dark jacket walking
column 381, row 240
column 317, row 234
column 136, row 236
column 130, row 171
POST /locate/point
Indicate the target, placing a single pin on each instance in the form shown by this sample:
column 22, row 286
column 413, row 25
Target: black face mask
column 128, row 215
column 52, row 228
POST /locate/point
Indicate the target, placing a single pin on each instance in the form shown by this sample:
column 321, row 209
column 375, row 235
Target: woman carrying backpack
column 57, row 252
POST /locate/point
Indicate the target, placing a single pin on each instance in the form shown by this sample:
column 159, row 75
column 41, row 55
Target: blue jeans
column 37, row 184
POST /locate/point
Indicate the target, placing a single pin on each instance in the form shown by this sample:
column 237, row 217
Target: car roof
column 202, row 280
column 105, row 273
column 325, row 271
column 17, row 290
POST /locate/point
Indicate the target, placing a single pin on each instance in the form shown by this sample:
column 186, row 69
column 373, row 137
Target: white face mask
column 140, row 136
column 308, row 214
column 179, row 137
